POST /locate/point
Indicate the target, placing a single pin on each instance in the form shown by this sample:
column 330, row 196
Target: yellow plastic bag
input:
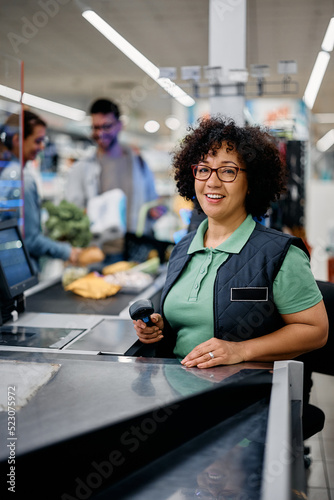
column 92, row 286
column 116, row 267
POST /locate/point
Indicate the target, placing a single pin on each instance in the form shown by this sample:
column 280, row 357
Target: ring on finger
column 211, row 355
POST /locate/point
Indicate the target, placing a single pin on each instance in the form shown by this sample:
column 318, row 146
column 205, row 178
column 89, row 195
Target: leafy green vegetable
column 67, row 222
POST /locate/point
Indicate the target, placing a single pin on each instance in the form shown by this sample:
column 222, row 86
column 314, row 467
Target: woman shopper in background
column 34, row 136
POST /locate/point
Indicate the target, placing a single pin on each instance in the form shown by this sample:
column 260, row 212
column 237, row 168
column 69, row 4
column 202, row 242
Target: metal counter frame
column 68, row 404
column 284, row 473
column 93, row 405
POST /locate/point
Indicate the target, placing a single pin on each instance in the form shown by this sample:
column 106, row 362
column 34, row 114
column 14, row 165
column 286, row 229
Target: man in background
column 112, row 166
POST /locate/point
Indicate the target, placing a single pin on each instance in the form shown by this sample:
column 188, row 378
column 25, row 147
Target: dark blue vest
column 243, row 289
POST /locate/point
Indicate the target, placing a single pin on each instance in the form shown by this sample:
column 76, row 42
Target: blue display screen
column 13, row 258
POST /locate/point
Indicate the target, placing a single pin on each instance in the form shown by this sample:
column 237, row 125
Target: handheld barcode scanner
column 142, row 309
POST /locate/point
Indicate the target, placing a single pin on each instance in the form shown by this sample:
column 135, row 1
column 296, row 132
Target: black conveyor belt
column 54, row 299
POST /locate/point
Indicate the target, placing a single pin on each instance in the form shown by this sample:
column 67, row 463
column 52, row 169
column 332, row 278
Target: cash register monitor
column 16, row 271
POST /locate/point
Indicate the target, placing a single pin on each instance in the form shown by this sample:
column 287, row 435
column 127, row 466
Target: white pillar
column 227, row 48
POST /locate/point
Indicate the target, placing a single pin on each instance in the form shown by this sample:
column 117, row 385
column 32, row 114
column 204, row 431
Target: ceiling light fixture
column 151, row 126
column 137, row 57
column 175, row 91
column 53, row 107
column 320, row 66
column 316, row 78
column 328, row 41
column 123, row 45
column 12, row 94
column 41, row 103
column 326, row 141
column 172, row 122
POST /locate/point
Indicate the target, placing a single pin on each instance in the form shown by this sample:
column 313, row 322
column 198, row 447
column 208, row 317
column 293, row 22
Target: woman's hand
column 149, row 334
column 303, row 331
column 215, row 352
column 74, row 256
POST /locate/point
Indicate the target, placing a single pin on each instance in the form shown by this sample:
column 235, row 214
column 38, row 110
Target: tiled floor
column 321, row 471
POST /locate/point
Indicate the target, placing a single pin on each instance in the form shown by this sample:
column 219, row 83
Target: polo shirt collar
column 233, row 244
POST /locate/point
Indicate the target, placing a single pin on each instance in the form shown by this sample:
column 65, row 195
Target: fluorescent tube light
column 53, row 107
column 316, row 77
column 175, row 91
column 44, row 104
column 137, row 57
column 326, row 141
column 14, row 95
column 328, row 41
column 123, row 45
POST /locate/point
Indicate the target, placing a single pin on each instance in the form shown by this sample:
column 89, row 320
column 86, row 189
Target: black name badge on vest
column 250, row 294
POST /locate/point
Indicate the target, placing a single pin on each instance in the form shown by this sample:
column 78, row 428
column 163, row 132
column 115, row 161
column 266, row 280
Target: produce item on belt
column 90, row 255
column 73, row 273
column 93, row 286
column 67, row 222
column 129, row 275
column 150, row 266
column 122, row 265
column 129, row 279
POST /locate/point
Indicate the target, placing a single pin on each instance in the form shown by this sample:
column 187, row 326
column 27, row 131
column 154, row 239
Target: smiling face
column 105, row 129
column 34, row 143
column 222, row 201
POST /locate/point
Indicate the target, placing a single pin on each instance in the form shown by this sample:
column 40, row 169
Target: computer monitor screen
column 16, row 272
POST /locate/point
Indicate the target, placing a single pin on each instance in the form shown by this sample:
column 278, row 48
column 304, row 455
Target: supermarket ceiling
column 66, row 60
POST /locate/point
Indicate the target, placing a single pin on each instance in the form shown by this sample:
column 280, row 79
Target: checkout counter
column 83, row 415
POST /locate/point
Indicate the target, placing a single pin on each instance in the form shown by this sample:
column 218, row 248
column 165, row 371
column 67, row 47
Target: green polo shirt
column 189, row 304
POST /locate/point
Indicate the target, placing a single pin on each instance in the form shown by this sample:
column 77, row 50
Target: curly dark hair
column 256, row 149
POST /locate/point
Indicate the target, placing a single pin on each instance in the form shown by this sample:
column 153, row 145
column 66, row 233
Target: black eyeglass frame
column 104, row 128
column 193, row 167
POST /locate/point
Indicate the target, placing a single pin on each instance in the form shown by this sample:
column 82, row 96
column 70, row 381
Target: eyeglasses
column 224, row 495
column 42, row 140
column 224, row 174
column 105, row 127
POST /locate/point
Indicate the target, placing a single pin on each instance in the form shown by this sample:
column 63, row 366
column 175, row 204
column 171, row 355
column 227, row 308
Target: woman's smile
column 224, row 201
column 215, row 196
